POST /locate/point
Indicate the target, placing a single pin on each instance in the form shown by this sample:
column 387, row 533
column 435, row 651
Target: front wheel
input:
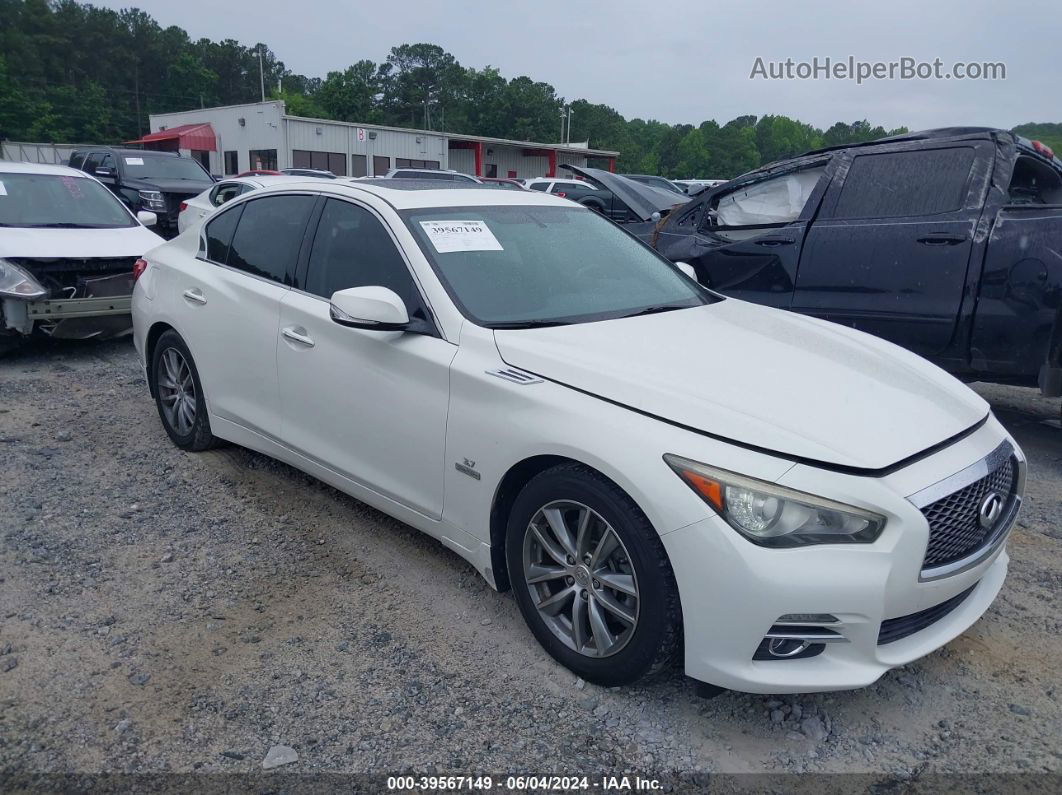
column 591, row 577
column 179, row 394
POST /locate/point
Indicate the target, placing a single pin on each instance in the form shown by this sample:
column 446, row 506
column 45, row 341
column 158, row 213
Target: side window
column 224, row 192
column 538, row 186
column 353, row 249
column 92, row 161
column 1034, row 182
column 896, row 184
column 107, row 162
column 775, row 201
column 77, row 160
column 218, row 235
column 269, row 235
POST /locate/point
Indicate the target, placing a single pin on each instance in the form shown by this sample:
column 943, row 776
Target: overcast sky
column 683, row 61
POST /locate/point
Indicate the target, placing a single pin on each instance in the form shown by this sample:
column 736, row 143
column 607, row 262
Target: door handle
column 943, row 239
column 775, row 241
column 293, row 335
column 195, row 296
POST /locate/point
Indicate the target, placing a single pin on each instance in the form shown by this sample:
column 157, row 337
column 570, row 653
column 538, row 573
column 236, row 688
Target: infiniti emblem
column 990, row 509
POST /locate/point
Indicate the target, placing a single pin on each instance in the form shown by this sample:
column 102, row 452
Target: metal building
column 235, row 138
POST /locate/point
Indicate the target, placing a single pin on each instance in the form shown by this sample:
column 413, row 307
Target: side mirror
column 370, row 308
column 104, row 172
column 147, row 218
column 688, row 269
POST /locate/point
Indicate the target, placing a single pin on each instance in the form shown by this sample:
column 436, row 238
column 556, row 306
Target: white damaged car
column 656, row 471
column 68, row 247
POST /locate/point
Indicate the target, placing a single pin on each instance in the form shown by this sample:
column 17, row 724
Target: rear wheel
column 591, row 577
column 179, row 394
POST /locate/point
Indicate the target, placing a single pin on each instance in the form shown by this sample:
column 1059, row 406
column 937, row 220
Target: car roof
column 408, row 194
column 125, row 150
column 10, row 167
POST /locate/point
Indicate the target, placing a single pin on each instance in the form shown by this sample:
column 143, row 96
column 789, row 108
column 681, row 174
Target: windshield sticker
column 450, row 236
column 134, row 161
column 3, row 190
column 72, row 186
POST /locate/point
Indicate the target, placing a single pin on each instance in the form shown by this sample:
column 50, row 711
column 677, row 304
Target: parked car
column 259, row 172
column 429, row 173
column 67, row 250
column 655, row 469
column 199, row 207
column 626, row 201
column 657, row 182
column 591, row 194
column 945, row 242
column 308, row 172
column 500, row 182
column 692, row 187
column 145, row 180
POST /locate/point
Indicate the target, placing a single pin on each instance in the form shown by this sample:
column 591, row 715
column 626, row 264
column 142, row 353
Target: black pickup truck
column 947, row 242
column 146, row 179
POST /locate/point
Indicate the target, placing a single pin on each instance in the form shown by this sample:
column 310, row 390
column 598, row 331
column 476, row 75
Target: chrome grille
column 955, row 530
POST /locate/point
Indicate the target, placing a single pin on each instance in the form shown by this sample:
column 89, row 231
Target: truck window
column 1034, row 182
column 745, row 212
column 898, row 184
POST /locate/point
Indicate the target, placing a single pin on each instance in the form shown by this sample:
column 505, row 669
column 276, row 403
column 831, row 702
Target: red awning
column 188, row 136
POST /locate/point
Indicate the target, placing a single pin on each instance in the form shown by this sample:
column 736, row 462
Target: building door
column 380, row 165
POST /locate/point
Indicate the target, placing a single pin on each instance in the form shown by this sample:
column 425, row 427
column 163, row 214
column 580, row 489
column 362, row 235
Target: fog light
column 786, row 647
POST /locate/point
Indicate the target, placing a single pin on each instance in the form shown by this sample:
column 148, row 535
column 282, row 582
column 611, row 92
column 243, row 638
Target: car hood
column 164, row 185
column 782, row 382
column 642, row 199
column 130, row 241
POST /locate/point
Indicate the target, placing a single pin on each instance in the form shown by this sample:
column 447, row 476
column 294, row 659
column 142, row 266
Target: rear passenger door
column 370, row 405
column 889, row 251
column 229, row 305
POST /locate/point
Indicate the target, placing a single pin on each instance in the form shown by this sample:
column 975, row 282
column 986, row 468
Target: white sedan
column 657, row 471
column 68, row 248
column 199, row 207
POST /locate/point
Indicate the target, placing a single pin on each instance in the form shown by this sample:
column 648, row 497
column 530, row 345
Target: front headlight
column 775, row 516
column 17, row 283
column 152, row 199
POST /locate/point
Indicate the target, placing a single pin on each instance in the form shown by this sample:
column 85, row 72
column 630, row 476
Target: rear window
column 895, row 184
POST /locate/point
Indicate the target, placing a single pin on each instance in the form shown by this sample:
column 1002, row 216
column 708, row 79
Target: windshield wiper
column 654, row 310
column 63, row 225
column 517, row 324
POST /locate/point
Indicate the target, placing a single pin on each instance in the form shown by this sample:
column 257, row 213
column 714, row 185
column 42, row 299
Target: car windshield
column 526, row 266
column 53, row 200
column 143, row 166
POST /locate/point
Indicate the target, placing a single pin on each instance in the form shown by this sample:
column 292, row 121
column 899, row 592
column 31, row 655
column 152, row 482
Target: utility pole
column 562, row 125
column 568, row 140
column 261, row 72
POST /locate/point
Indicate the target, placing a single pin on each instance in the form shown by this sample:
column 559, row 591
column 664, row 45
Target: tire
column 179, row 394
column 624, row 652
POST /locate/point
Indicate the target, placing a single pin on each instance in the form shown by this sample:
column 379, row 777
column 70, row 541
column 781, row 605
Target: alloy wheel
column 176, row 389
column 580, row 578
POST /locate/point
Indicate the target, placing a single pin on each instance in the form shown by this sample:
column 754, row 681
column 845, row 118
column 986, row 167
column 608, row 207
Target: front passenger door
column 370, row 405
column 748, row 241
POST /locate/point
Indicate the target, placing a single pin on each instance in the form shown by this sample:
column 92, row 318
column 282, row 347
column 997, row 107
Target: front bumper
column 733, row 592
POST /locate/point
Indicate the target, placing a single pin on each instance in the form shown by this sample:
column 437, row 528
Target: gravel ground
column 164, row 611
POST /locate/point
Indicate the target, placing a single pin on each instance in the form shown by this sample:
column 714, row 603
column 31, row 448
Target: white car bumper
column 735, row 593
